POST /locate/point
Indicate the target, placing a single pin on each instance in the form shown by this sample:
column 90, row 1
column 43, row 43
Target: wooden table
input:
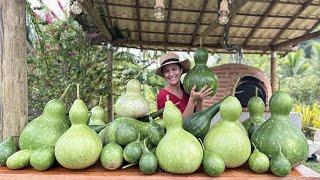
column 98, row 172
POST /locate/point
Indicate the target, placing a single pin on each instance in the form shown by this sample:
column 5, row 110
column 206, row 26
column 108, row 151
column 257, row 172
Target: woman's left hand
column 200, row 95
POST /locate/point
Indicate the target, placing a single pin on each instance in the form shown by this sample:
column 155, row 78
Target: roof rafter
column 235, row 6
column 94, row 14
column 301, row 9
column 314, row 27
column 106, row 5
column 296, row 40
column 168, row 23
column 196, row 29
column 260, row 22
column 138, row 21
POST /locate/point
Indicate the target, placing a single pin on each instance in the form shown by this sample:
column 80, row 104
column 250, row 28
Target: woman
column 171, row 69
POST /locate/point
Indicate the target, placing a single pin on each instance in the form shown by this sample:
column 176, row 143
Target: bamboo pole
column 110, row 50
column 273, row 73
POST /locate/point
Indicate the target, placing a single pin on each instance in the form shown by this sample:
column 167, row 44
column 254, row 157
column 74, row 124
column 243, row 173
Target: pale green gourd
column 98, row 115
column 227, row 138
column 79, row 147
column 178, row 151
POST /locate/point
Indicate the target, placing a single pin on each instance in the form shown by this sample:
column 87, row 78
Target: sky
column 52, row 5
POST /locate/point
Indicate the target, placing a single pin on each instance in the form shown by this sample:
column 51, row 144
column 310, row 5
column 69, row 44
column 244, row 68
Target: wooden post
column 13, row 68
column 273, row 73
column 110, row 50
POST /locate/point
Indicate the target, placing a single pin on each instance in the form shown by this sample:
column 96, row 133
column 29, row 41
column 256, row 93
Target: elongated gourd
column 178, row 151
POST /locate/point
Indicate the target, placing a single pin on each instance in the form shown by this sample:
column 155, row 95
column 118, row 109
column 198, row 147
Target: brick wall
column 228, row 75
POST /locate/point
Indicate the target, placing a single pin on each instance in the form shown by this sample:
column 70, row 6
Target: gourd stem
column 65, row 91
column 256, row 92
column 201, row 143
column 129, row 165
column 279, row 146
column 235, row 87
column 145, row 146
column 78, row 91
column 255, row 146
column 100, row 99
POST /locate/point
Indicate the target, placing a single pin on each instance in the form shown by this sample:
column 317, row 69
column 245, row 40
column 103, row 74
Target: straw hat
column 172, row 58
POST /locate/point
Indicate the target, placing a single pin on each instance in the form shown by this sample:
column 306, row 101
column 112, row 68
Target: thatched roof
column 256, row 25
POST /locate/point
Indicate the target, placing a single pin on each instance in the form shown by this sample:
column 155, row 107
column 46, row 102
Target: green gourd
column 79, row 147
column 111, row 156
column 132, row 103
column 19, row 159
column 198, row 123
column 148, row 163
column 98, row 115
column 155, row 132
column 142, row 127
column 7, row 148
column 46, row 129
column 178, row 151
column 125, row 134
column 43, row 158
column 280, row 165
column 200, row 75
column 227, row 138
column 258, row 161
column 279, row 128
column 256, row 109
column 133, row 151
column 213, row 165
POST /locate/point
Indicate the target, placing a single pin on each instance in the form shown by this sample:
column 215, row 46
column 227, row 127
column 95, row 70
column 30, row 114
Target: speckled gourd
column 178, row 151
column 279, row 128
column 79, row 147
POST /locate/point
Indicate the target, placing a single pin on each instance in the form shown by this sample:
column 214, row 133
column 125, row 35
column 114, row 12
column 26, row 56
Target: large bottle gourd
column 227, row 138
column 178, row 151
column 279, row 128
column 79, row 147
column 46, row 129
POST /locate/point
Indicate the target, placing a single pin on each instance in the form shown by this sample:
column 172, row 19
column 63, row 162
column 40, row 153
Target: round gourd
column 178, row 151
column 213, row 165
column 200, row 75
column 111, row 156
column 42, row 159
column 79, row 147
column 279, row 128
column 258, row 161
column 148, row 163
column 125, row 134
column 132, row 103
column 155, row 133
column 227, row 138
column 280, row 165
column 132, row 152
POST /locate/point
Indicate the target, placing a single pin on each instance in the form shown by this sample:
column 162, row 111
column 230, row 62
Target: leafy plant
column 310, row 114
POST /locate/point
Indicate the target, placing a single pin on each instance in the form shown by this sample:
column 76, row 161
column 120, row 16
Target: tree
column 294, row 64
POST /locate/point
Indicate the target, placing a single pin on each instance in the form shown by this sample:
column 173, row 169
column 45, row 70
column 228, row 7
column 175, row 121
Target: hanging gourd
column 178, row 151
column 132, row 103
column 279, row 128
column 79, row 147
column 227, row 138
column 200, row 75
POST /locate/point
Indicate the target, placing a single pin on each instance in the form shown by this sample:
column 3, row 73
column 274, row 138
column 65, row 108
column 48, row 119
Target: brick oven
column 250, row 79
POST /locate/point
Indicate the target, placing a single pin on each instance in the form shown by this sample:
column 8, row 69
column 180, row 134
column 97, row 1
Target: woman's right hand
column 204, row 93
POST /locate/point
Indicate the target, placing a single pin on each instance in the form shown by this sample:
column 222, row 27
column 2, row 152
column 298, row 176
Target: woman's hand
column 200, row 95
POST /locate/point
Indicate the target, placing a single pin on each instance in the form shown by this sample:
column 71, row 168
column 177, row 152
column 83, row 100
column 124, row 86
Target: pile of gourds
column 172, row 144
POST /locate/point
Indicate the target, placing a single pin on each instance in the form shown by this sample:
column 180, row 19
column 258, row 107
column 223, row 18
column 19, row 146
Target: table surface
column 132, row 173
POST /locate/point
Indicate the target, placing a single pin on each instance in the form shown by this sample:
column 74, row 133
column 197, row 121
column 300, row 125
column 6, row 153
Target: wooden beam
column 203, row 23
column 13, row 68
column 313, row 27
column 260, row 22
column 138, row 22
column 273, row 72
column 301, row 9
column 95, row 16
column 106, row 5
column 109, row 81
column 196, row 29
column 168, row 22
column 235, row 6
column 210, row 11
column 296, row 40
